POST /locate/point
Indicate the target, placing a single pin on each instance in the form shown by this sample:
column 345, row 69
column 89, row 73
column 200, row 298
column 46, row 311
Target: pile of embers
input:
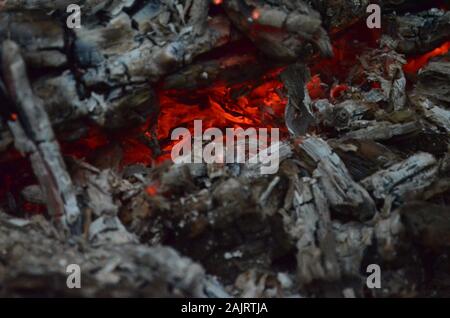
column 364, row 173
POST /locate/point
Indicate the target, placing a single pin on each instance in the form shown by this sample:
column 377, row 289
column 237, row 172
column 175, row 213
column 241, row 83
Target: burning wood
column 362, row 168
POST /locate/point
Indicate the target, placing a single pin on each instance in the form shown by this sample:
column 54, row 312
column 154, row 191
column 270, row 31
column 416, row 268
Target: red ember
column 152, row 190
column 415, row 64
column 337, row 91
column 315, row 87
column 255, row 14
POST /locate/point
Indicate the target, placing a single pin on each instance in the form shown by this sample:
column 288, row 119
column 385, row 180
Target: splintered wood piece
column 327, row 250
column 433, row 81
column 420, row 33
column 345, row 196
column 310, row 225
column 439, row 116
column 352, row 240
column 382, row 130
column 298, row 114
column 97, row 189
column 363, row 157
column 34, row 136
column 131, row 63
column 292, row 26
column 340, row 116
column 381, row 68
column 412, row 174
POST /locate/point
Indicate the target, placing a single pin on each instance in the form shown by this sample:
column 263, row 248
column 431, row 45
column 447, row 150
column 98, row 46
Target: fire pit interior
column 87, row 174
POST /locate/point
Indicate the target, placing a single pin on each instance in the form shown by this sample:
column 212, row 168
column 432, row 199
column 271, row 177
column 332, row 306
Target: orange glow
column 256, row 103
column 152, row 190
column 255, row 14
column 217, row 2
column 415, row 64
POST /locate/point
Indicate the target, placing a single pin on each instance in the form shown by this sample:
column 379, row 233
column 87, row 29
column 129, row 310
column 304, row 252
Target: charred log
column 33, row 136
column 420, row 33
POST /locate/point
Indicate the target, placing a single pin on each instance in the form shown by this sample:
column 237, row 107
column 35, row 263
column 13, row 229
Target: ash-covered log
column 420, row 33
column 34, row 137
column 290, row 26
column 36, row 259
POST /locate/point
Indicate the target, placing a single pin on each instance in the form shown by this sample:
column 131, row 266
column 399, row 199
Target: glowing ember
column 255, row 14
column 337, row 91
column 258, row 103
column 415, row 64
column 152, row 190
column 251, row 104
